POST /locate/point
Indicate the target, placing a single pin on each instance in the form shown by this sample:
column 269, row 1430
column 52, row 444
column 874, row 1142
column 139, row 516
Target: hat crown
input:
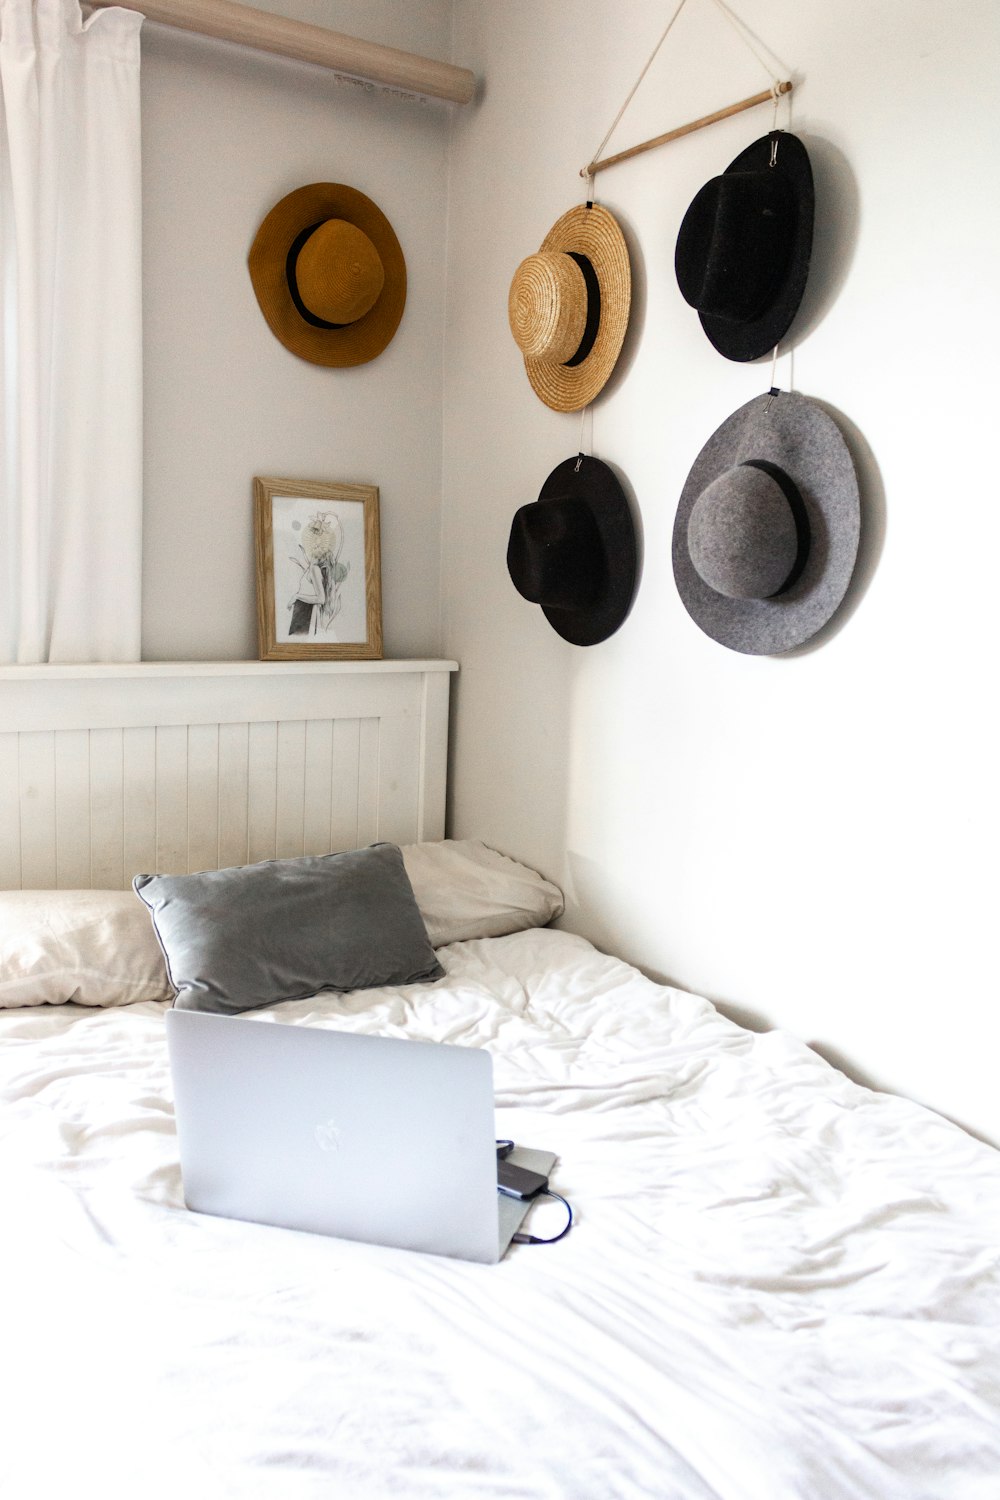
column 338, row 273
column 554, row 556
column 547, row 306
column 735, row 243
column 747, row 532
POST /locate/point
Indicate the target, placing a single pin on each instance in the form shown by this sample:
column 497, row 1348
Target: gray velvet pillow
column 240, row 938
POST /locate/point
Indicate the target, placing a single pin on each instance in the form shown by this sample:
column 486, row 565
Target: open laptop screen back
column 368, row 1138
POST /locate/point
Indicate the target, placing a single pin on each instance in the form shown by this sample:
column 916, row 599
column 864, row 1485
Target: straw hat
column 329, row 274
column 767, row 528
column 744, row 245
column 573, row 551
column 569, row 305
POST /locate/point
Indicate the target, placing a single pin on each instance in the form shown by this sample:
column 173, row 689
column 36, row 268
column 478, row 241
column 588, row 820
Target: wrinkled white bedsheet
column 780, row 1286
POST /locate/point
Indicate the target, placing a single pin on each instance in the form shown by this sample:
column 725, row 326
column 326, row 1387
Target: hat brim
column 746, row 341
column 357, row 342
column 591, row 231
column 590, row 480
column 799, row 437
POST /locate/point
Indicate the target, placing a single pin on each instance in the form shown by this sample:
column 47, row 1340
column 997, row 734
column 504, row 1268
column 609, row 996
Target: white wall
column 226, row 133
column 811, row 840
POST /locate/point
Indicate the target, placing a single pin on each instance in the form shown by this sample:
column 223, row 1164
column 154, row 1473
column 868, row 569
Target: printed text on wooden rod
column 370, row 62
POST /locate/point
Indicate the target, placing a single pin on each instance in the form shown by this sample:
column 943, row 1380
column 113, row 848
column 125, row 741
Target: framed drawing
column 319, row 582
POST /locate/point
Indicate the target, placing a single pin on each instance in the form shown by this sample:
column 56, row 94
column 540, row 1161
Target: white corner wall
column 809, row 840
column 226, row 133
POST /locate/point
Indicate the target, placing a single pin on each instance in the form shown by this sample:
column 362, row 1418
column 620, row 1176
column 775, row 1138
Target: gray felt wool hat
column 573, row 551
column 767, row 528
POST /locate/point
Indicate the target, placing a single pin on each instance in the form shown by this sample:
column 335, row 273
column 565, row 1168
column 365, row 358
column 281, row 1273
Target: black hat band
column 593, row 323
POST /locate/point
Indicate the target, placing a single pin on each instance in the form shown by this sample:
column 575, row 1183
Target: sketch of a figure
column 317, row 600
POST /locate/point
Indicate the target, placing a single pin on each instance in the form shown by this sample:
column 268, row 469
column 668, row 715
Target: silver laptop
column 363, row 1137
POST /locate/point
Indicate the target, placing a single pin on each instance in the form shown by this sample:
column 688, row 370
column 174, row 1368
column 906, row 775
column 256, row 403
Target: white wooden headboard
column 106, row 771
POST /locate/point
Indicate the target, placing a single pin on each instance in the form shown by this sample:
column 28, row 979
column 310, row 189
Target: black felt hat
column 744, row 245
column 573, row 551
column 767, row 528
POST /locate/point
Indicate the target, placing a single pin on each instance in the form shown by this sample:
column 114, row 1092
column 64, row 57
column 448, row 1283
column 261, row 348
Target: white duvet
column 780, row 1286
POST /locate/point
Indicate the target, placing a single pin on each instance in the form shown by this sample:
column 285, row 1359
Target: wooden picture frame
column 319, row 573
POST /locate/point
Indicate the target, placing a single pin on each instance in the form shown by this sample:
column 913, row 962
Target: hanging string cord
column 580, row 452
column 748, row 39
column 633, row 90
column 774, row 391
column 746, row 36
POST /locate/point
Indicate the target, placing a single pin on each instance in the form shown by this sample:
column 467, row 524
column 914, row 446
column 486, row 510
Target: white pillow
column 466, row 890
column 92, row 947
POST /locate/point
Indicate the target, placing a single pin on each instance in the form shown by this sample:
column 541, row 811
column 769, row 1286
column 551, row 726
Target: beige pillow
column 466, row 890
column 92, row 947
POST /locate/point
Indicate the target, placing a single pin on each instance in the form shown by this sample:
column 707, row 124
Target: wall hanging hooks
column 773, row 93
column 778, row 88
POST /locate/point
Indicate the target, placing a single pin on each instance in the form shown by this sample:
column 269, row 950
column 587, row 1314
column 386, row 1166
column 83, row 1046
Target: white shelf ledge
column 83, row 671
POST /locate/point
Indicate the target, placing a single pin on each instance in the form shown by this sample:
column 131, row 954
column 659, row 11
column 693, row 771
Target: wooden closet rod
column 372, row 63
column 672, row 135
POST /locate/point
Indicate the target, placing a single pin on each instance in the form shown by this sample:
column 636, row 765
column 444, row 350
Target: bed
column 779, row 1285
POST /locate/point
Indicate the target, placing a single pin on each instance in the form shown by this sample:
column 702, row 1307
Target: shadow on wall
column 637, row 308
column 835, row 235
column 640, row 547
column 834, row 244
column 597, row 903
column 539, row 674
column 837, row 1060
column 604, row 902
column 873, row 529
column 506, row 763
column 600, row 905
column 605, row 930
column 512, row 736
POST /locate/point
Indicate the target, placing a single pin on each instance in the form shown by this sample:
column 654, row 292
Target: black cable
column 504, row 1148
column 534, row 1239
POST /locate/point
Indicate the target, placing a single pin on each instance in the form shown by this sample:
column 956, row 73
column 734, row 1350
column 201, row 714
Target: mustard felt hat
column 569, row 307
column 329, row 274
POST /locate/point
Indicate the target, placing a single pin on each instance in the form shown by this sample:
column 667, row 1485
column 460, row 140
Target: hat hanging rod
column 360, row 61
column 763, row 97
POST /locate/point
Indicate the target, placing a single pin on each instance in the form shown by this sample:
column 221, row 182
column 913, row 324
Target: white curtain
column 70, row 334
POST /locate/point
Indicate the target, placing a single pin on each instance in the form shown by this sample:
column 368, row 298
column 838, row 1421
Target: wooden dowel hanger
column 673, row 135
column 369, row 62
